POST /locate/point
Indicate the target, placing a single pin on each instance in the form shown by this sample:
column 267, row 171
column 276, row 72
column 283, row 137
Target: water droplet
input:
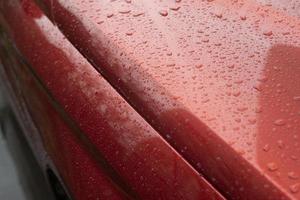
column 219, row 15
column 175, row 8
column 109, row 15
column 243, row 17
column 295, row 188
column 169, row 54
column 236, row 94
column 258, row 110
column 279, row 122
column 286, row 33
column 124, row 11
column 280, row 144
column 266, row 148
column 138, row 14
column 258, row 88
column 293, row 175
column 293, row 157
column 231, row 66
column 199, row 66
column 262, row 79
column 272, row 166
column 296, row 98
column 238, row 120
column 242, row 108
column 268, row 33
column 163, row 13
column 252, row 121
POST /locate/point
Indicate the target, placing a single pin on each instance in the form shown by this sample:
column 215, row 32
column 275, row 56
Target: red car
column 175, row 99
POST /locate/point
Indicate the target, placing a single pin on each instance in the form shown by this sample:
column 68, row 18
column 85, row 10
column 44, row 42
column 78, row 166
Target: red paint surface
column 219, row 79
column 101, row 146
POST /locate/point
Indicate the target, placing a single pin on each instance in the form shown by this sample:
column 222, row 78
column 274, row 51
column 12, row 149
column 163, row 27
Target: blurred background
column 10, row 187
column 20, row 176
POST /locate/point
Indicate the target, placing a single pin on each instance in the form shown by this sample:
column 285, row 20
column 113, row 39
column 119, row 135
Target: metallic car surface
column 218, row 79
column 101, row 147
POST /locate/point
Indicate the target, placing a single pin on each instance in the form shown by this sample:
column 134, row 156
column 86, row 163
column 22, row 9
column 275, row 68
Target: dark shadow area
column 225, row 168
column 278, row 139
column 57, row 188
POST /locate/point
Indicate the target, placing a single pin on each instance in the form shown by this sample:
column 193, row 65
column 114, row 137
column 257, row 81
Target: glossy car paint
column 218, row 79
column 65, row 149
column 101, row 147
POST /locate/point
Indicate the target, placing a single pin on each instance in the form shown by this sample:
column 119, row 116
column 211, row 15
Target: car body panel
column 65, row 150
column 218, row 79
column 101, row 146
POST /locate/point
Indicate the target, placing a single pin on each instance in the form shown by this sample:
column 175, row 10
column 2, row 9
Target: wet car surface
column 217, row 80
